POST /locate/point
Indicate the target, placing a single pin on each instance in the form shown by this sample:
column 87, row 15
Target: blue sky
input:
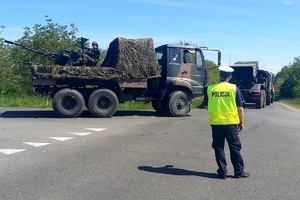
column 267, row 31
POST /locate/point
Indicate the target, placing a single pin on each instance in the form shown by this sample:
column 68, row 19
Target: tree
column 7, row 84
column 288, row 80
column 213, row 72
column 51, row 37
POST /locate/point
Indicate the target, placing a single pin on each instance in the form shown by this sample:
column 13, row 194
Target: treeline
column 288, row 80
column 15, row 61
column 52, row 37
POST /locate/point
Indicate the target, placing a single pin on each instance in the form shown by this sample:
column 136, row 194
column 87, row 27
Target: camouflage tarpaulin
column 63, row 72
column 135, row 58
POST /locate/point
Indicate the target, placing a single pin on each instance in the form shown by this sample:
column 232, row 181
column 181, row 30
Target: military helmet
column 95, row 42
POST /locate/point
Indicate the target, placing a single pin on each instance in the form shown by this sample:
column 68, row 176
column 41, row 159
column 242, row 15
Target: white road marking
column 96, row 129
column 61, row 138
column 11, row 151
column 36, row 144
column 80, row 133
column 39, row 144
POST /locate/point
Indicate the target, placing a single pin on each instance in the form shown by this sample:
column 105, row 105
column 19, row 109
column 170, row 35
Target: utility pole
column 229, row 57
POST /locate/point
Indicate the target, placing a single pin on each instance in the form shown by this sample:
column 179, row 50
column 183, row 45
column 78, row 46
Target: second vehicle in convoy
column 257, row 85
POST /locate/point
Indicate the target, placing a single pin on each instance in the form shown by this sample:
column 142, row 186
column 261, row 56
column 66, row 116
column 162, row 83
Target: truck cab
column 182, row 66
column 183, row 77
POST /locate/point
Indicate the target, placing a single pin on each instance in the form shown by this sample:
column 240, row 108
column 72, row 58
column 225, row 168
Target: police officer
column 224, row 103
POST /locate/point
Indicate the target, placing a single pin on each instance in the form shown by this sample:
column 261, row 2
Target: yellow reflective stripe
column 222, row 113
column 233, row 120
column 225, row 117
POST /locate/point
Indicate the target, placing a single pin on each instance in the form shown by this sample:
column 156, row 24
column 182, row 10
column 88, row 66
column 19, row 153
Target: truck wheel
column 272, row 99
column 258, row 104
column 178, row 104
column 261, row 103
column 68, row 103
column 268, row 102
column 263, row 93
column 103, row 103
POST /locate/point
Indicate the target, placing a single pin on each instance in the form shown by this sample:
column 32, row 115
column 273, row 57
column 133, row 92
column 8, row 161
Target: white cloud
column 288, row 2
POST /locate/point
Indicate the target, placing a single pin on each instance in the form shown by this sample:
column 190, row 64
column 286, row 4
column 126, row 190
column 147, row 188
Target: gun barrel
column 10, row 42
column 51, row 56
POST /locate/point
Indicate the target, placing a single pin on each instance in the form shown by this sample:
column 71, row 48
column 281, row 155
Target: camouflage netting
column 74, row 72
column 136, row 58
column 126, row 58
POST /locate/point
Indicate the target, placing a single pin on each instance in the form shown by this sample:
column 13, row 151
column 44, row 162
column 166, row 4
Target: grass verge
column 24, row 101
column 295, row 103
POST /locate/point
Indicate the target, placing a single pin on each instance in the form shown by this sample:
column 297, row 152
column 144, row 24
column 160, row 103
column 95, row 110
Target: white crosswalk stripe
column 40, row 144
column 11, row 151
column 80, row 133
column 36, row 144
column 61, row 138
column 96, row 129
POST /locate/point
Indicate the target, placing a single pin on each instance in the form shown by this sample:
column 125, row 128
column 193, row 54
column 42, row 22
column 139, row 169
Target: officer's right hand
column 240, row 127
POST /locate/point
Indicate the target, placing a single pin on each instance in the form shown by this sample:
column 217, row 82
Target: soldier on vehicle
column 89, row 58
column 224, row 102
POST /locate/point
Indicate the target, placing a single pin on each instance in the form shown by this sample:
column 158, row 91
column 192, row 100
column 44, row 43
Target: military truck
column 257, row 86
column 168, row 76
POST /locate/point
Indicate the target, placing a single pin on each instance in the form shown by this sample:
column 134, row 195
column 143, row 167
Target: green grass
column 291, row 102
column 24, row 101
column 44, row 102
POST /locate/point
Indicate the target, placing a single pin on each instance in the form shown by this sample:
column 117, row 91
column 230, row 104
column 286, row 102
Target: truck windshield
column 199, row 60
column 189, row 56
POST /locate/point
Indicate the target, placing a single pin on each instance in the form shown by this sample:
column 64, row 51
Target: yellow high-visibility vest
column 222, row 107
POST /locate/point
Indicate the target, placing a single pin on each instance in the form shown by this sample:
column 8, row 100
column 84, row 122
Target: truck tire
column 264, row 98
column 68, row 103
column 178, row 104
column 103, row 103
column 272, row 98
column 262, row 101
column 268, row 101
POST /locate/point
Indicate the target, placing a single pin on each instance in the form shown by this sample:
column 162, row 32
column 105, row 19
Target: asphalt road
column 139, row 155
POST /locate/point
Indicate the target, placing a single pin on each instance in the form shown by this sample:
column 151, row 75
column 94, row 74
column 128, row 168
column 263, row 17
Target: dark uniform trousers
column 231, row 134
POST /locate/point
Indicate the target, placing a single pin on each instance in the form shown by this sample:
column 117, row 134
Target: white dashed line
column 11, row 151
column 39, row 144
column 36, row 144
column 61, row 138
column 96, row 129
column 80, row 133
